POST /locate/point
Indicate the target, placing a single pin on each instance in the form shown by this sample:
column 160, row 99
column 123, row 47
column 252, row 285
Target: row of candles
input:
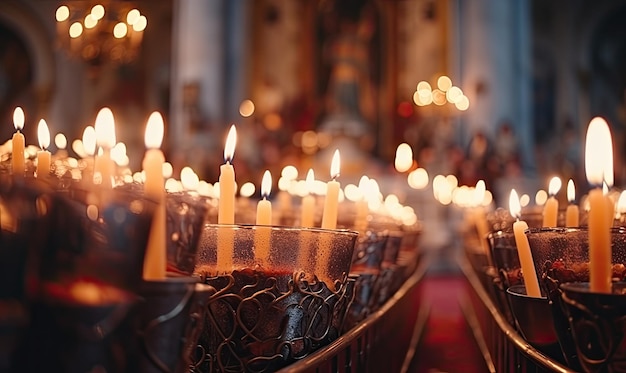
column 154, row 186
column 600, row 205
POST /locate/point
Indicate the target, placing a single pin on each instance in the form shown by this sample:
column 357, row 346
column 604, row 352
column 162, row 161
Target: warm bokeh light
column 167, row 170
column 418, row 178
column 541, row 197
column 404, row 157
column 133, row 16
column 246, row 108
column 272, row 121
column 289, row 172
column 60, row 141
column 452, row 181
column 62, row 14
column 247, row 189
column 76, row 29
column 89, row 140
column 423, row 87
column 453, row 94
column 120, row 30
column 524, row 200
column 444, row 83
column 462, row 103
column 43, row 134
column 97, row 12
column 90, row 21
column 141, row 24
column 189, row 179
column 439, row 97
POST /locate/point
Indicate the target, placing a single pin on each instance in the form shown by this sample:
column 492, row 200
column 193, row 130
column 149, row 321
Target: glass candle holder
column 281, row 297
column 185, row 217
column 598, row 326
column 561, row 255
column 101, row 244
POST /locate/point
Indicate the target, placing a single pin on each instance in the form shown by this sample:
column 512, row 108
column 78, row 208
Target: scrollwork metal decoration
column 598, row 327
column 260, row 321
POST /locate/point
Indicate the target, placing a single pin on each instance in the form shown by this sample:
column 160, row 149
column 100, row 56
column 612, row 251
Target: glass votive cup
column 281, row 294
column 597, row 325
column 561, row 255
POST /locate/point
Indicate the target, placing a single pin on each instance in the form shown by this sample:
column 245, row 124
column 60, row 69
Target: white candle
column 18, row 160
column 105, row 140
column 263, row 221
column 523, row 248
column 43, row 156
column 551, row 208
column 361, row 206
column 598, row 156
column 155, row 262
column 480, row 217
column 329, row 221
column 307, row 213
column 572, row 213
column 226, row 206
column 331, row 202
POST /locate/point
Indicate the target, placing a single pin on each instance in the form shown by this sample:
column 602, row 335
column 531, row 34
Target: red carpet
column 447, row 344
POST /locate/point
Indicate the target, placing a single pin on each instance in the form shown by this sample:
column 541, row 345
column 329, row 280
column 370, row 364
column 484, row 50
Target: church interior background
column 301, row 78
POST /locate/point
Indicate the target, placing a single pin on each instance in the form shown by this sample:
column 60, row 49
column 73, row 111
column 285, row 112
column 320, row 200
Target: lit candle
column 155, row 261
column 307, row 213
column 18, row 160
column 105, row 140
column 480, row 217
column 551, row 208
column 523, row 248
column 43, row 156
column 263, row 217
column 329, row 221
column 598, row 154
column 572, row 213
column 226, row 206
column 331, row 202
column 361, row 206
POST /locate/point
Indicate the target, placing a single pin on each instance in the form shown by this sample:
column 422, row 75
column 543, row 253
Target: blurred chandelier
column 97, row 33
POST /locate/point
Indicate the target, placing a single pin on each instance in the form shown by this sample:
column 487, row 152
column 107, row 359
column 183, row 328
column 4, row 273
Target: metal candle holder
column 598, row 326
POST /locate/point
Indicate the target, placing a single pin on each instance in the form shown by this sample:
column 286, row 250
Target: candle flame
column 335, row 165
column 621, row 203
column 154, row 131
column 105, row 128
column 18, row 118
column 404, row 157
column 231, row 141
column 43, row 134
column 571, row 191
column 189, row 179
column 310, row 181
column 554, row 186
column 514, row 206
column 598, row 153
column 266, row 184
column 89, row 140
column 479, row 192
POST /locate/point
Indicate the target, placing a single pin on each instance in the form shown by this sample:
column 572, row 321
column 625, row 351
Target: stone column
column 493, row 58
column 197, row 89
